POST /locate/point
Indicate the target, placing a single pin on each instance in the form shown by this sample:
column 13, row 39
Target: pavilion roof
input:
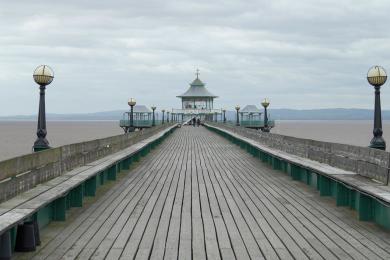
column 250, row 109
column 197, row 89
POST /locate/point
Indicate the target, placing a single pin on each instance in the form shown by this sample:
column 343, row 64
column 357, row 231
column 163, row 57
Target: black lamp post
column 163, row 111
column 377, row 76
column 153, row 118
column 238, row 118
column 224, row 115
column 43, row 76
column 131, row 103
column 265, row 104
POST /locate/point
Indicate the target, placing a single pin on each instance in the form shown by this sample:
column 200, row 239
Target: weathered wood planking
column 198, row 196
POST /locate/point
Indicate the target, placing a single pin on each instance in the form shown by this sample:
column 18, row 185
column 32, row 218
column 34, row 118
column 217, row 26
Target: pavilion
column 197, row 101
column 142, row 118
column 250, row 113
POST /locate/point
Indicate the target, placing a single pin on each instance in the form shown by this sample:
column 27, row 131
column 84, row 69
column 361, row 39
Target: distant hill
column 321, row 114
column 106, row 115
column 278, row 114
column 326, row 114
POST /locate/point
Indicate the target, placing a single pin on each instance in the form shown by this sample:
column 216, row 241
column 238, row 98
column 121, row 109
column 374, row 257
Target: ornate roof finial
column 197, row 73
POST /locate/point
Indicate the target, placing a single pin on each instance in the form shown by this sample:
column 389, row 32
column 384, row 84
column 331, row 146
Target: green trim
column 276, row 163
column 38, row 149
column 381, row 214
column 45, row 215
column 112, row 171
column 59, row 209
column 342, row 195
column 13, row 232
column 90, row 186
column 136, row 157
column 366, row 208
column 76, row 196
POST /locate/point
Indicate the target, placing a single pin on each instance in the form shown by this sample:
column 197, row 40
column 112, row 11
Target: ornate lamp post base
column 41, row 144
column 378, row 143
column 265, row 129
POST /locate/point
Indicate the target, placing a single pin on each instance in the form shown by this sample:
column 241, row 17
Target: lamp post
column 167, row 116
column 377, row 76
column 131, row 103
column 265, row 104
column 153, row 118
column 238, row 119
column 43, row 76
column 163, row 111
column 224, row 115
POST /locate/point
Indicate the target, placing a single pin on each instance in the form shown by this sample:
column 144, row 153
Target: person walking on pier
column 193, row 122
column 198, row 122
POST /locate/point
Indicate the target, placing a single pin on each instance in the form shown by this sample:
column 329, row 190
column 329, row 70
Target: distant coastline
column 276, row 114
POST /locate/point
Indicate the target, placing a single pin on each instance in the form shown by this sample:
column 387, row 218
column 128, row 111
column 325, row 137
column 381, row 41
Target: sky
column 300, row 54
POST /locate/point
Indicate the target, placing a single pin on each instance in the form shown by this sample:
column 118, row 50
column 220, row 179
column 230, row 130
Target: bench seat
column 369, row 197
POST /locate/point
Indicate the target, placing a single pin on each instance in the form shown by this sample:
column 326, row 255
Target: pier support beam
column 365, row 208
column 325, row 186
column 112, row 173
column 342, row 195
column 59, row 209
column 90, row 186
column 76, row 196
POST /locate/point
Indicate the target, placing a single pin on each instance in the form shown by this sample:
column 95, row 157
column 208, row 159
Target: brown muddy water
column 17, row 137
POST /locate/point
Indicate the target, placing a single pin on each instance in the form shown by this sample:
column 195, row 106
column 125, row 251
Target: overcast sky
column 299, row 54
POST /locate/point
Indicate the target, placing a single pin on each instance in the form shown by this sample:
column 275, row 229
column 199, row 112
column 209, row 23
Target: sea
column 17, row 137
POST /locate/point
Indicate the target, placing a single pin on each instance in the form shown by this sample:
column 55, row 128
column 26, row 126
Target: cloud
column 302, row 54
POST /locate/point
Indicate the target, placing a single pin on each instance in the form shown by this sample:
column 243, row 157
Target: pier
column 192, row 185
column 198, row 195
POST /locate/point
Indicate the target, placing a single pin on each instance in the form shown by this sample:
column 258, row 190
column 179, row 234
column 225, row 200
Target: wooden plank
column 212, row 216
column 333, row 241
column 185, row 242
column 201, row 197
column 129, row 206
column 198, row 227
column 323, row 169
column 236, row 239
column 173, row 236
column 147, row 223
column 350, row 252
column 131, row 185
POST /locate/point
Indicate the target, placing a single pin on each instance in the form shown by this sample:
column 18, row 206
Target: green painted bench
column 49, row 201
column 370, row 198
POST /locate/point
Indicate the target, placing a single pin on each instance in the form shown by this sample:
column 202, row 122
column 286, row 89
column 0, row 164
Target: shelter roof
column 141, row 109
column 250, row 109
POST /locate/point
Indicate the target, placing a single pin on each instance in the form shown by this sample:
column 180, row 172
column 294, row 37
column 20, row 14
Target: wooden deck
column 198, row 196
